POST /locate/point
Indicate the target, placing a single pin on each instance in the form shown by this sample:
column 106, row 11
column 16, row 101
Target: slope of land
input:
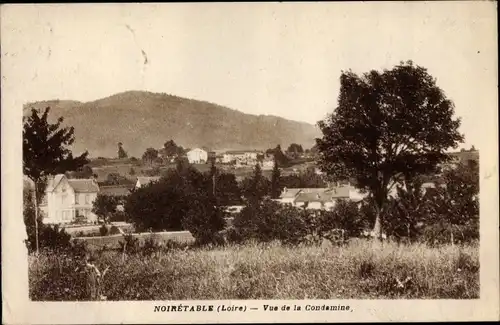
column 141, row 119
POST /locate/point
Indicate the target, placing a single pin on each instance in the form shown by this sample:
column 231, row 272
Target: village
column 69, row 201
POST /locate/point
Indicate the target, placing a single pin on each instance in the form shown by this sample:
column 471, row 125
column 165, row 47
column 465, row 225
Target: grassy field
column 360, row 270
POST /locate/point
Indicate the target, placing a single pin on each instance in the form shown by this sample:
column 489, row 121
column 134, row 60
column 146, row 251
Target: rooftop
column 240, row 152
column 324, row 196
column 83, row 185
column 115, row 190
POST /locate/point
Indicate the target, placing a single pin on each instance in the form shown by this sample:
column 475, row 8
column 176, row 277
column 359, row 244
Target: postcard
column 249, row 162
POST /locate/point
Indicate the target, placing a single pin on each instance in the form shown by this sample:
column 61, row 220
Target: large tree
column 388, row 127
column 46, row 151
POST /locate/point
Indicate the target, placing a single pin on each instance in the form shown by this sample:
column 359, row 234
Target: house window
column 76, row 198
column 87, row 199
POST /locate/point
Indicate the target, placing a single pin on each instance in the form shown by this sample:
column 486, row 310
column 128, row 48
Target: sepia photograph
column 322, row 153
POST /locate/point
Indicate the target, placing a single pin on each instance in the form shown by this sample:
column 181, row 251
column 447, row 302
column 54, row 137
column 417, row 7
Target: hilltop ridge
column 142, row 119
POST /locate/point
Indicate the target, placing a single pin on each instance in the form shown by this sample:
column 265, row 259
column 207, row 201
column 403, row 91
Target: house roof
column 324, row 196
column 79, row 185
column 197, row 149
column 146, row 180
column 53, row 182
column 313, row 197
column 340, row 192
column 290, row 193
column 122, row 190
column 293, row 192
column 236, row 152
column 83, row 185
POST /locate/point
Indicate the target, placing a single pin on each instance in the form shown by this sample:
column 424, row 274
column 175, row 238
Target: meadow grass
column 360, row 270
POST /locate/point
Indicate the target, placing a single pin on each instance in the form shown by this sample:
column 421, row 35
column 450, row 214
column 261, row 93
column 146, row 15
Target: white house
column 197, row 156
column 143, row 181
column 66, row 199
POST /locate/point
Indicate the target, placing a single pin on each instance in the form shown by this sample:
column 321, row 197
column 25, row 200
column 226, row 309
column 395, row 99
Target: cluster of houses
column 67, row 199
column 239, row 159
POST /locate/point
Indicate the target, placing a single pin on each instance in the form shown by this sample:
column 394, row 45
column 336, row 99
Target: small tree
column 104, row 207
column 113, row 179
column 150, row 155
column 46, row 152
column 121, row 152
column 275, row 181
column 172, row 150
column 227, row 190
column 388, row 127
column 255, row 188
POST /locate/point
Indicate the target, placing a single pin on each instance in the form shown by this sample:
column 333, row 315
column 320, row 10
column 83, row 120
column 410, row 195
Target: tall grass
column 360, row 270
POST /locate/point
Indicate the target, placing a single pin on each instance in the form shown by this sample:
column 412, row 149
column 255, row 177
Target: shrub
column 442, row 233
column 269, row 220
column 80, row 220
column 114, row 230
column 344, row 215
column 79, row 248
column 103, row 230
column 50, row 238
column 151, row 245
column 130, row 244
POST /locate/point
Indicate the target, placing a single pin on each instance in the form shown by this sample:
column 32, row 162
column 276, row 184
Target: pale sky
column 277, row 59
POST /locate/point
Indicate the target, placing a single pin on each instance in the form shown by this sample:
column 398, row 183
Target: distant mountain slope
column 141, row 119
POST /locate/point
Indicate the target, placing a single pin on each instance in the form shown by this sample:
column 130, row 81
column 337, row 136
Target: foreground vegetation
column 361, row 269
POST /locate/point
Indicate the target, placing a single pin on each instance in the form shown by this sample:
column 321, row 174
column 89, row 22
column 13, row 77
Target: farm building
column 197, row 156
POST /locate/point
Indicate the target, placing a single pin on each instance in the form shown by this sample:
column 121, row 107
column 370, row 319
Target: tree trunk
column 377, row 231
column 36, row 220
column 377, row 228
